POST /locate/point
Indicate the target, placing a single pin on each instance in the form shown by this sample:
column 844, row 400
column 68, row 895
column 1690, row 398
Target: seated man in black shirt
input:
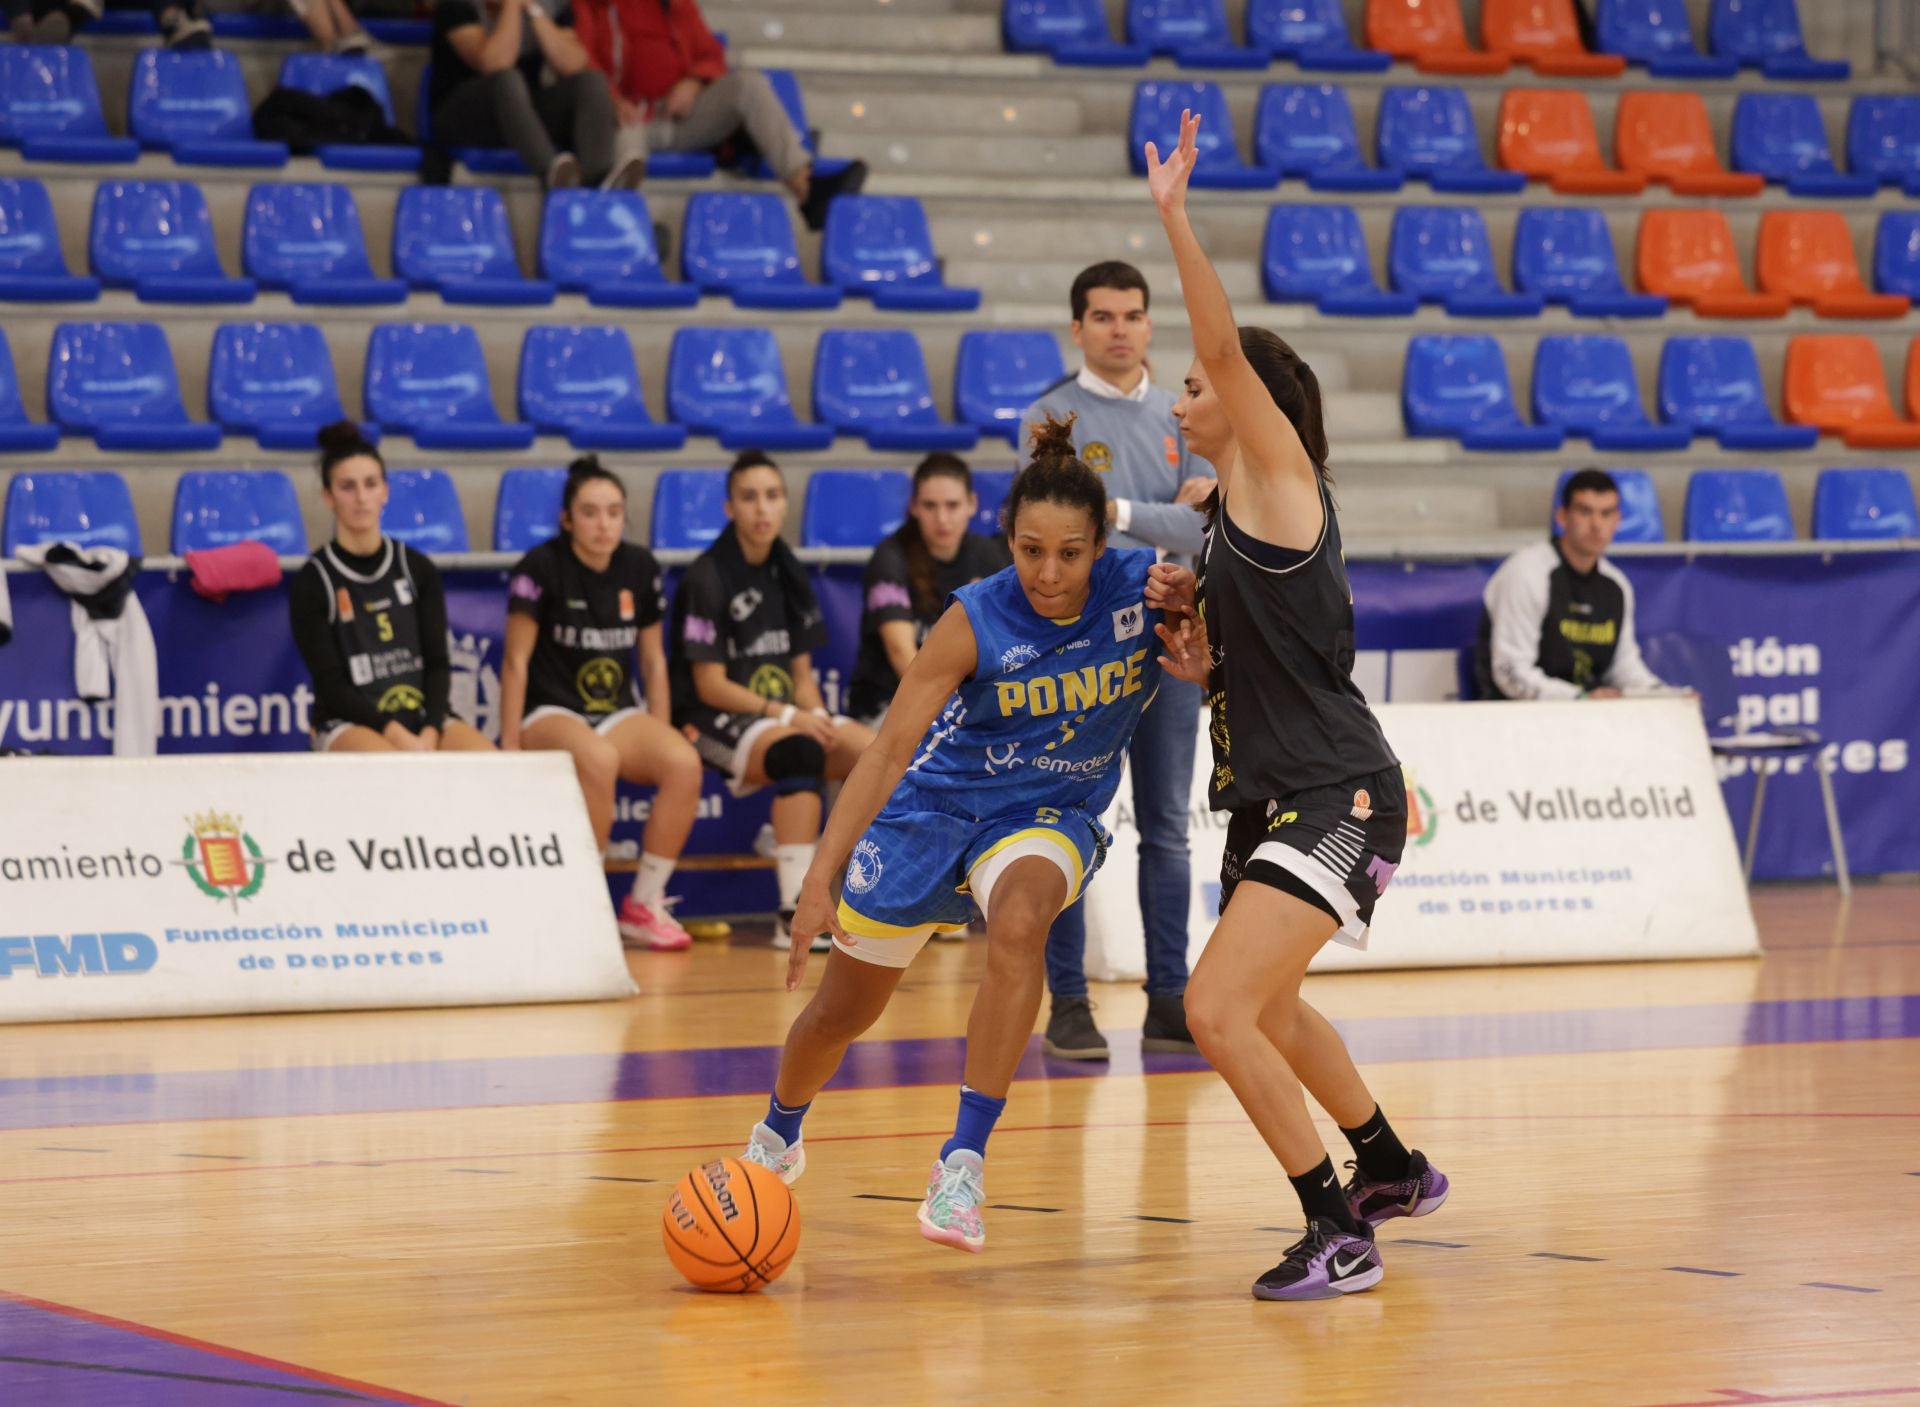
column 486, row 91
column 1558, row 618
column 370, row 620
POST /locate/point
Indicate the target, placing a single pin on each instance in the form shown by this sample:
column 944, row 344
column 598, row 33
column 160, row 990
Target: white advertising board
column 1540, row 832
column 191, row 886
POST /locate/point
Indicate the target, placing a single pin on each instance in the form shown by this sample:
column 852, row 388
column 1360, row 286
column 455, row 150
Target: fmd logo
column 76, row 955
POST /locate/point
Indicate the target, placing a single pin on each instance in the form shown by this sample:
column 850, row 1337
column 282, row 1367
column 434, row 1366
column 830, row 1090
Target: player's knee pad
column 796, row 764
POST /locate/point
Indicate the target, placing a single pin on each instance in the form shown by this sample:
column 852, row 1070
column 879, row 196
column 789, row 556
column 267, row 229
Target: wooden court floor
column 1673, row 1184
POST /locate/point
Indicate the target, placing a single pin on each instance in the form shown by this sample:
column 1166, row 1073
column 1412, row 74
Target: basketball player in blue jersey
column 1002, row 748
column 1317, row 800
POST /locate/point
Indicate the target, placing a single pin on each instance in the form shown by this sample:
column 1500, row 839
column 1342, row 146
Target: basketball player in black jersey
column 1317, row 801
column 370, row 620
column 746, row 624
column 582, row 608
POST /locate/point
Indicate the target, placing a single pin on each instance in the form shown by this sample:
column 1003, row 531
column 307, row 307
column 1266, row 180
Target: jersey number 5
column 384, row 622
column 1047, row 815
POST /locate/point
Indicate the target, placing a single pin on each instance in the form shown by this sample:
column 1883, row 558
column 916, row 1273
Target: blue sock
column 971, row 1129
column 785, row 1121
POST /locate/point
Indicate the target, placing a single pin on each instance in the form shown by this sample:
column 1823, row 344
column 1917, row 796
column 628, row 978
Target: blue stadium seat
column 1640, row 516
column 1883, row 139
column 1864, row 503
column 1566, row 256
column 990, row 487
column 217, row 508
column 742, row 246
column 1896, row 253
column 1441, row 254
column 32, row 267
column 601, row 243
column 853, row 507
column 1656, row 33
column 875, row 384
column 730, row 382
column 430, row 381
column 689, row 509
column 306, row 241
column 880, row 246
column 1765, row 34
column 1456, row 387
column 1429, row 133
column 1318, row 254
column 1072, row 31
column 581, row 382
column 1738, row 505
column 423, row 511
column 1313, row 33
column 91, row 508
column 115, row 381
column 18, row 435
column 998, row 373
column 1156, row 118
column 1307, row 131
column 321, row 74
column 1192, row 32
column 1713, row 384
column 273, row 381
column 1586, row 385
column 1781, row 136
column 195, row 105
column 50, row 106
column 156, row 237
column 456, row 241
column 526, row 512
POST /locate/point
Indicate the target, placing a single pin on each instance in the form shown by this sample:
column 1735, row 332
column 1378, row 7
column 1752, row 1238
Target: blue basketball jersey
column 1050, row 709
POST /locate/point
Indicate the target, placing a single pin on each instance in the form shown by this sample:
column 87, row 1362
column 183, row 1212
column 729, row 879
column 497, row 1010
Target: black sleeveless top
column 374, row 616
column 1286, row 714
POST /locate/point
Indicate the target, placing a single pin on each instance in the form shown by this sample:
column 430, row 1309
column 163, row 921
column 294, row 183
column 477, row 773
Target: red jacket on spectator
column 646, row 46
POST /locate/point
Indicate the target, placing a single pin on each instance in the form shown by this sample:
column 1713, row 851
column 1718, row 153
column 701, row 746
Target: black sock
column 1320, row 1196
column 1378, row 1150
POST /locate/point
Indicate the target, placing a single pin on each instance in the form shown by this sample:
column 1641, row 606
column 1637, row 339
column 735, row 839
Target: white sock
column 790, row 862
column 650, row 881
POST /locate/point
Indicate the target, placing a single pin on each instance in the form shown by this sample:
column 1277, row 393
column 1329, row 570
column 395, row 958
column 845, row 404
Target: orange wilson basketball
column 731, row 1226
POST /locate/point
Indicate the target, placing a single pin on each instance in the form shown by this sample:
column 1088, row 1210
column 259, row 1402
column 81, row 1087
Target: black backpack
column 306, row 121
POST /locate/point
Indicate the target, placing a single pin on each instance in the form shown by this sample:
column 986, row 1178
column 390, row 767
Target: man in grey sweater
column 1125, row 430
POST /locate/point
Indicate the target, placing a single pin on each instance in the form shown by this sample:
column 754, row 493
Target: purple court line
column 194, row 1095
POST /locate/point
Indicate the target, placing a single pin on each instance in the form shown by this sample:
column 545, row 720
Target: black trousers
column 499, row 109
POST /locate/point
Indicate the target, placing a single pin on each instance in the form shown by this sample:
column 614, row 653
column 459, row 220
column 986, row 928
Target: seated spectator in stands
column 674, row 91
column 1558, row 617
column 181, row 25
column 746, row 624
column 334, row 24
column 912, row 573
column 486, row 91
column 370, row 620
column 582, row 609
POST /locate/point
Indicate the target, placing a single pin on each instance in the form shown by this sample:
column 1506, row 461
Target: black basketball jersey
column 590, row 622
column 1286, row 714
column 375, row 619
column 740, row 614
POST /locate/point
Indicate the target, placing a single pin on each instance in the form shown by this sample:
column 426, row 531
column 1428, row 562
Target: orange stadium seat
column 1808, row 255
column 1548, row 133
column 1543, row 35
column 1431, row 34
column 1689, row 256
column 1667, row 137
column 1837, row 384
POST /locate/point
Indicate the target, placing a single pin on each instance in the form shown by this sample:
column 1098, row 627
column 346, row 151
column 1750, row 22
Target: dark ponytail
column 341, row 441
column 913, row 543
column 1056, row 474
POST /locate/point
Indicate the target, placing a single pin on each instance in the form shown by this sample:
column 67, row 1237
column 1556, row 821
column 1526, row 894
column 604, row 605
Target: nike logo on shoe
column 1342, row 1271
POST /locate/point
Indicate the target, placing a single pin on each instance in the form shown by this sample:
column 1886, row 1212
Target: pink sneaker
column 642, row 927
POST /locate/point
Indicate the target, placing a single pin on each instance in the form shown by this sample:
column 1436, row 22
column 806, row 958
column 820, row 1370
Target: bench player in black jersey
column 582, row 609
column 745, row 626
column 1317, row 800
column 370, row 620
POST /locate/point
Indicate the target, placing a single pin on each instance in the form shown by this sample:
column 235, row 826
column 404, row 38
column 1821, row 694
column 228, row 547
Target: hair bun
column 586, row 466
column 341, row 439
column 1053, row 439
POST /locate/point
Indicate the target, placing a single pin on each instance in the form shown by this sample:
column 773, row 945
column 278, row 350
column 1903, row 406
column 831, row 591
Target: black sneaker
column 1328, row 1261
column 1071, row 1034
column 821, row 191
column 185, row 33
column 1165, row 1028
